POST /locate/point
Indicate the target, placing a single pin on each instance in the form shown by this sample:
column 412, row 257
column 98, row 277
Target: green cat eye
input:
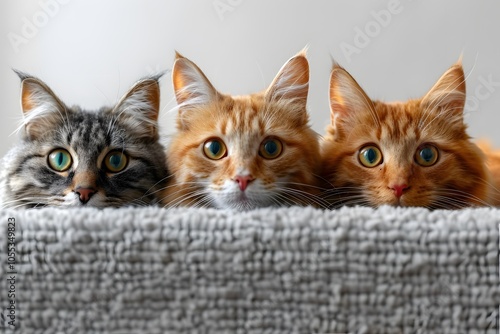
column 370, row 156
column 215, row 149
column 426, row 155
column 115, row 161
column 270, row 148
column 60, row 160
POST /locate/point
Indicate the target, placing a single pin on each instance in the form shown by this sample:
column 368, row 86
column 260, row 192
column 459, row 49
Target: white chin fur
column 231, row 197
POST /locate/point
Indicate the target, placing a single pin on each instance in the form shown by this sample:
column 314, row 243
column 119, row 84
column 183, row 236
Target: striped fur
column 458, row 179
column 242, row 123
column 130, row 127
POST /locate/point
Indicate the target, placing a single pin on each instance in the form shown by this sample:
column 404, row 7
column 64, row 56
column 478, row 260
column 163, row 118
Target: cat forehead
column 243, row 117
column 392, row 122
column 397, row 109
column 89, row 121
column 399, row 127
column 410, row 121
column 83, row 128
column 237, row 116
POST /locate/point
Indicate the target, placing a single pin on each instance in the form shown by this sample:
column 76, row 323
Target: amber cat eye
column 60, row 160
column 115, row 161
column 214, row 149
column 370, row 156
column 426, row 155
column 270, row 148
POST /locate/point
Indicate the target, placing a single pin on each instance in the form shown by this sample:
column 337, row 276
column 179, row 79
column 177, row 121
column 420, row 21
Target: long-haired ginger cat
column 414, row 153
column 242, row 152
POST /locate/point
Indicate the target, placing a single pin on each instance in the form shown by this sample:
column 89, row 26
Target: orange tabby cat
column 415, row 153
column 242, row 152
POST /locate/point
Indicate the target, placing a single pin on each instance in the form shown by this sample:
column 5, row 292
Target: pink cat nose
column 243, row 181
column 399, row 189
column 85, row 194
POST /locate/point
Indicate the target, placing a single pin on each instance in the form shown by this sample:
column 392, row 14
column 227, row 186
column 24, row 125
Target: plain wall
column 90, row 52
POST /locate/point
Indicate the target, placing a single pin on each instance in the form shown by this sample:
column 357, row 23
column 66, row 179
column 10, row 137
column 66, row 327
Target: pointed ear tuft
column 347, row 99
column 140, row 106
column 178, row 55
column 292, row 81
column 448, row 93
column 42, row 109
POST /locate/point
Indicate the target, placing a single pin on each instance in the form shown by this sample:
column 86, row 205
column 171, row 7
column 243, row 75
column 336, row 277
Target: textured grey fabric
column 288, row 270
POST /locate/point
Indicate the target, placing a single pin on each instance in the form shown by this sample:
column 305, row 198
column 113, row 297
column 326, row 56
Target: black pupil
column 60, row 158
column 215, row 147
column 427, row 154
column 371, row 155
column 271, row 147
column 115, row 160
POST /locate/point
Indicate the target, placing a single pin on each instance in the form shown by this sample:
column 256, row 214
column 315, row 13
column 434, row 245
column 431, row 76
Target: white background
column 90, row 52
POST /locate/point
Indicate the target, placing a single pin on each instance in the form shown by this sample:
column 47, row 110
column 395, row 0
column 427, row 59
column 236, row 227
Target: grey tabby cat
column 72, row 157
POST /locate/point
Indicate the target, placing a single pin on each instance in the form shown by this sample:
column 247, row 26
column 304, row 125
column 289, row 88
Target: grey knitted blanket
column 288, row 270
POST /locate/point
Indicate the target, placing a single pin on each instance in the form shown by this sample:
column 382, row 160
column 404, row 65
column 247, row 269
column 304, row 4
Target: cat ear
column 292, row 81
column 347, row 99
column 448, row 94
column 139, row 108
column 42, row 109
column 191, row 86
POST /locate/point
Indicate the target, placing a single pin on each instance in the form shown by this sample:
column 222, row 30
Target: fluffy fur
column 493, row 164
column 243, row 124
column 130, row 128
column 458, row 178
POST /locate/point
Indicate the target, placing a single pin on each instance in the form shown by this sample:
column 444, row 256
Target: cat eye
column 426, row 155
column 370, row 156
column 115, row 161
column 60, row 160
column 215, row 149
column 270, row 148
